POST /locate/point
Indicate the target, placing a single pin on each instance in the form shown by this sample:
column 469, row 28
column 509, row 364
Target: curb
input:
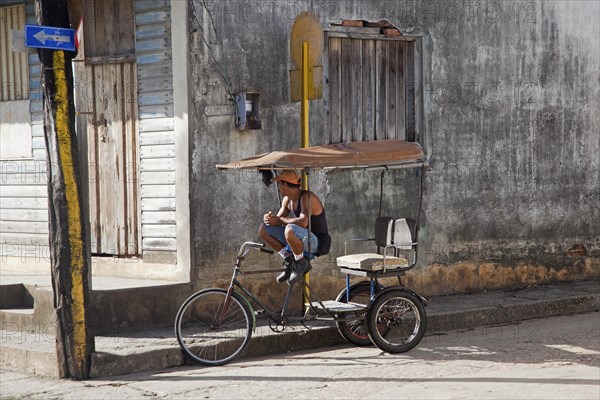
column 450, row 321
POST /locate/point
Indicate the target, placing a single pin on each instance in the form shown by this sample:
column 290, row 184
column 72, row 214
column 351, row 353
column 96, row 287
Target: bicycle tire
column 209, row 337
column 356, row 331
column 404, row 316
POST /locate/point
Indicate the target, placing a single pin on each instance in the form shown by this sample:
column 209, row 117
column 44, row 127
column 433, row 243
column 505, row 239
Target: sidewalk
column 151, row 350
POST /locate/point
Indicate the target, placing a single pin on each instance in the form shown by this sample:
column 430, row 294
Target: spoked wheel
column 355, row 330
column 403, row 315
column 211, row 330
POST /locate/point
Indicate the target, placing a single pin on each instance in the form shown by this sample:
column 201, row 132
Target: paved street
column 552, row 358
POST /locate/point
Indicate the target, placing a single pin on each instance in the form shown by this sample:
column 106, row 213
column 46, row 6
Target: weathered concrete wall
column 515, row 143
column 510, row 93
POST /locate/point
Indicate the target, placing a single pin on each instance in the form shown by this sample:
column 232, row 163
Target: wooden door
column 107, row 98
column 113, row 156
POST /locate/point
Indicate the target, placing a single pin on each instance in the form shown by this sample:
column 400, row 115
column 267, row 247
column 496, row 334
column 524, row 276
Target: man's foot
column 300, row 267
column 287, row 263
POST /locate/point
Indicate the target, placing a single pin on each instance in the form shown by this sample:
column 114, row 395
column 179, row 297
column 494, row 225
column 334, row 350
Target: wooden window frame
column 412, row 77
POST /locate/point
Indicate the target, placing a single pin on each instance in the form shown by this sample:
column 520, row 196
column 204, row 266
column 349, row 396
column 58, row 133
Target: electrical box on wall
column 247, row 106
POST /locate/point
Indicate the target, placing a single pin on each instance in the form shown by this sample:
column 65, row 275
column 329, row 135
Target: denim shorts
column 278, row 232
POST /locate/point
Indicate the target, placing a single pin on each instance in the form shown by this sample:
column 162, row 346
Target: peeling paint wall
column 510, row 96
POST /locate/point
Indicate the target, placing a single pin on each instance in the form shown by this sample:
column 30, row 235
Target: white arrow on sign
column 43, row 36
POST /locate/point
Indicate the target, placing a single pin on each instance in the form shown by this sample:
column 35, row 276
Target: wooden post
column 69, row 252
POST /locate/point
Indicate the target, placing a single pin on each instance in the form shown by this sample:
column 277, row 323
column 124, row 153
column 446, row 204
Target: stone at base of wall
column 469, row 277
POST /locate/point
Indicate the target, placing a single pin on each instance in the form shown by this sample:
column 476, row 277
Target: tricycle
column 214, row 326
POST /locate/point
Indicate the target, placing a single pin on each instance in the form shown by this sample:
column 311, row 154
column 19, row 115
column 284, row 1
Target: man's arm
column 284, row 210
column 276, row 220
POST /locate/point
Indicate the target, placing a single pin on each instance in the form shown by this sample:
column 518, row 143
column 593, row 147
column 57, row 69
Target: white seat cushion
column 370, row 262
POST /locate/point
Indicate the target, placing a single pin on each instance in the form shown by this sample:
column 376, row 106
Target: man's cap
column 289, row 176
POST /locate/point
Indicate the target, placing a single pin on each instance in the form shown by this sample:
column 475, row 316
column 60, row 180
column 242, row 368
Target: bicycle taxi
column 214, row 326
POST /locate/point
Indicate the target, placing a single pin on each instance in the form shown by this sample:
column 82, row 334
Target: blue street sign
column 47, row 37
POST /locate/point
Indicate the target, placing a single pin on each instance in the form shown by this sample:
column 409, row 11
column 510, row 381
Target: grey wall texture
column 511, row 92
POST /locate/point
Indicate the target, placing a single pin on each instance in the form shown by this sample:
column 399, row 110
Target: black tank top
column 318, row 223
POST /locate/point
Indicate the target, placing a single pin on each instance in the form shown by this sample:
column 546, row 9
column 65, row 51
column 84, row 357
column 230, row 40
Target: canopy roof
column 380, row 153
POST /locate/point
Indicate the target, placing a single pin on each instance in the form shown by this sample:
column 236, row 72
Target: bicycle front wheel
column 212, row 328
column 403, row 316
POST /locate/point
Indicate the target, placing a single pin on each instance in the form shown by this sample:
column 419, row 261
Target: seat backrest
column 404, row 232
column 384, row 231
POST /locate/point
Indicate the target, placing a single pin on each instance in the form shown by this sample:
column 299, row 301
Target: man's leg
column 270, row 240
column 273, row 236
column 296, row 236
column 293, row 240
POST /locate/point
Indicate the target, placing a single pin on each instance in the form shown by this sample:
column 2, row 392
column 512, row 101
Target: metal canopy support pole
column 381, row 190
column 305, row 142
column 286, row 302
column 380, row 201
column 308, row 201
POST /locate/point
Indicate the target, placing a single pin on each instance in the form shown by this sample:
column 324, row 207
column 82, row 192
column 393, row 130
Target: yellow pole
column 304, row 104
column 304, row 127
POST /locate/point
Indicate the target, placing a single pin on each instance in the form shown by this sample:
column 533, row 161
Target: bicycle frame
column 279, row 317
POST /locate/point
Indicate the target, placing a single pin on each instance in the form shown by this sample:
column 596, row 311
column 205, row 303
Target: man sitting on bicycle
column 287, row 231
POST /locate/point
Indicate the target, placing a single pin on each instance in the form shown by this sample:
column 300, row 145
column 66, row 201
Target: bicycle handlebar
column 247, row 246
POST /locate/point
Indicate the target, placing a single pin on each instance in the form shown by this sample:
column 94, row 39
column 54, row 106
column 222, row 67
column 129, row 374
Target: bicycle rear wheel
column 403, row 315
column 213, row 329
column 355, row 330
